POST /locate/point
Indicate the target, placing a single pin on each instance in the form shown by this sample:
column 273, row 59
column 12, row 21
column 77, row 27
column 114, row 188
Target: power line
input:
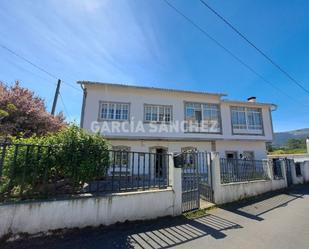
column 30, row 72
column 256, row 48
column 70, row 85
column 227, row 50
column 36, row 66
column 28, row 61
column 64, row 107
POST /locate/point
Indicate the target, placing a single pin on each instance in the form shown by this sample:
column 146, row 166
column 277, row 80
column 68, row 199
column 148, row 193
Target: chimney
column 251, row 99
column 307, row 143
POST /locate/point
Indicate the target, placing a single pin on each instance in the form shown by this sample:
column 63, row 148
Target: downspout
column 272, row 109
column 83, row 105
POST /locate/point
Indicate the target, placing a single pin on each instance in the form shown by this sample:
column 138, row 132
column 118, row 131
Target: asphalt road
column 272, row 221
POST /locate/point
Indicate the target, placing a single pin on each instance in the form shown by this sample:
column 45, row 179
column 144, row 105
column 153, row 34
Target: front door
column 231, row 155
column 160, row 162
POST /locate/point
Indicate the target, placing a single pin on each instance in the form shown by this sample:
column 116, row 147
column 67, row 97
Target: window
column 248, row 155
column 114, row 111
column 189, row 155
column 157, row 113
column 247, row 120
column 202, row 117
column 298, row 169
column 121, row 156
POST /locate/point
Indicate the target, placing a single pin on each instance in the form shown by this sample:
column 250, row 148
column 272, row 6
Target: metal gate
column 205, row 177
column 288, row 163
column 196, row 179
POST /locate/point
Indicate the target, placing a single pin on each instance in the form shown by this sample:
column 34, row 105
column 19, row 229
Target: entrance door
column 232, row 164
column 160, row 162
column 231, row 155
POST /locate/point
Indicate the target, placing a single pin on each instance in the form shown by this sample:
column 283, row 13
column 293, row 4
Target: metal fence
column 237, row 170
column 276, row 168
column 29, row 171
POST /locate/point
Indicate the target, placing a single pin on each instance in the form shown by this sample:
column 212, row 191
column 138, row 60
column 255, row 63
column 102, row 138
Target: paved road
column 277, row 221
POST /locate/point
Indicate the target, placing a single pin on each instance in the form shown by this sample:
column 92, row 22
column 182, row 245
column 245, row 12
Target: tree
column 24, row 113
column 296, row 143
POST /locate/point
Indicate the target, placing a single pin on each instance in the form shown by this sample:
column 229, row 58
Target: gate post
column 216, row 177
column 283, row 165
column 175, row 182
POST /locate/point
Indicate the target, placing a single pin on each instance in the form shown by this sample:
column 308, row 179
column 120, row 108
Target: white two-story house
column 146, row 119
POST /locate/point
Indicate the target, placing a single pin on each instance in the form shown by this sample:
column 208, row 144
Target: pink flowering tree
column 22, row 113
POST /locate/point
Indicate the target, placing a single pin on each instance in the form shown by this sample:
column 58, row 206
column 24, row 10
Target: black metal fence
column 29, row 171
column 277, row 169
column 237, row 170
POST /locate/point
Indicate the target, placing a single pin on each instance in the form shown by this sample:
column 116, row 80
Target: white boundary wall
column 48, row 215
column 304, row 177
column 225, row 193
column 305, row 171
column 34, row 217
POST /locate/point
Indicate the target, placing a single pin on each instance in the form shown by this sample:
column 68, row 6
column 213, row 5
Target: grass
column 197, row 213
column 288, row 151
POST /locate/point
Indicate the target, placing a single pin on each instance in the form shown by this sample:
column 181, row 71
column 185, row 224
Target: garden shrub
column 70, row 157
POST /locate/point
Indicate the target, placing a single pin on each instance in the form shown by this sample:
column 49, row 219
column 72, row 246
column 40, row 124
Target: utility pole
column 56, row 97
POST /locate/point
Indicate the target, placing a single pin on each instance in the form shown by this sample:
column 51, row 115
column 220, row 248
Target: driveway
column 272, row 221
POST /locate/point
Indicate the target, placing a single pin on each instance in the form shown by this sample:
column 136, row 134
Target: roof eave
column 148, row 88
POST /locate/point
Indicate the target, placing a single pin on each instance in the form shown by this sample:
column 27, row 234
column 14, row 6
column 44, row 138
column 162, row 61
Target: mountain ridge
column 280, row 138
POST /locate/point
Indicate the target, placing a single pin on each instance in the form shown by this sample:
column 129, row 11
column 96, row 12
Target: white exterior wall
column 172, row 146
column 258, row 147
column 174, row 141
column 138, row 97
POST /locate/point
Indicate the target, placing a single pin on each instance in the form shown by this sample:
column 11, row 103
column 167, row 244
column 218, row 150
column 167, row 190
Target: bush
column 69, row 158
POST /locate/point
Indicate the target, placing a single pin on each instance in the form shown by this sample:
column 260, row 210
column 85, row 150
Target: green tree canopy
column 294, row 143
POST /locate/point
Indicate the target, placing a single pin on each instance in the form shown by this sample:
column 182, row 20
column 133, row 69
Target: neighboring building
column 298, row 159
column 148, row 118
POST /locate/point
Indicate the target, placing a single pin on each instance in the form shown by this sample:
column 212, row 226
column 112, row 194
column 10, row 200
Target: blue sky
column 144, row 42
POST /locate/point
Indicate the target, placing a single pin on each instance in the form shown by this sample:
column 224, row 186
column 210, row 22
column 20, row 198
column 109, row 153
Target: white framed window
column 114, row 111
column 248, row 155
column 121, row 156
column 202, row 117
column 158, row 113
column 246, row 120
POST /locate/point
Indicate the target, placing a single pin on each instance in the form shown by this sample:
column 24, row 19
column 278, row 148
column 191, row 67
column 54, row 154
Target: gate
column 205, row 177
column 288, row 164
column 196, row 179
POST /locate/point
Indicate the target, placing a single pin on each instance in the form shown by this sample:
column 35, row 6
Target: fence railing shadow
column 162, row 233
column 254, row 208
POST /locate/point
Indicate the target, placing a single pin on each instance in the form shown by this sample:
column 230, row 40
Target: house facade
column 146, row 119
